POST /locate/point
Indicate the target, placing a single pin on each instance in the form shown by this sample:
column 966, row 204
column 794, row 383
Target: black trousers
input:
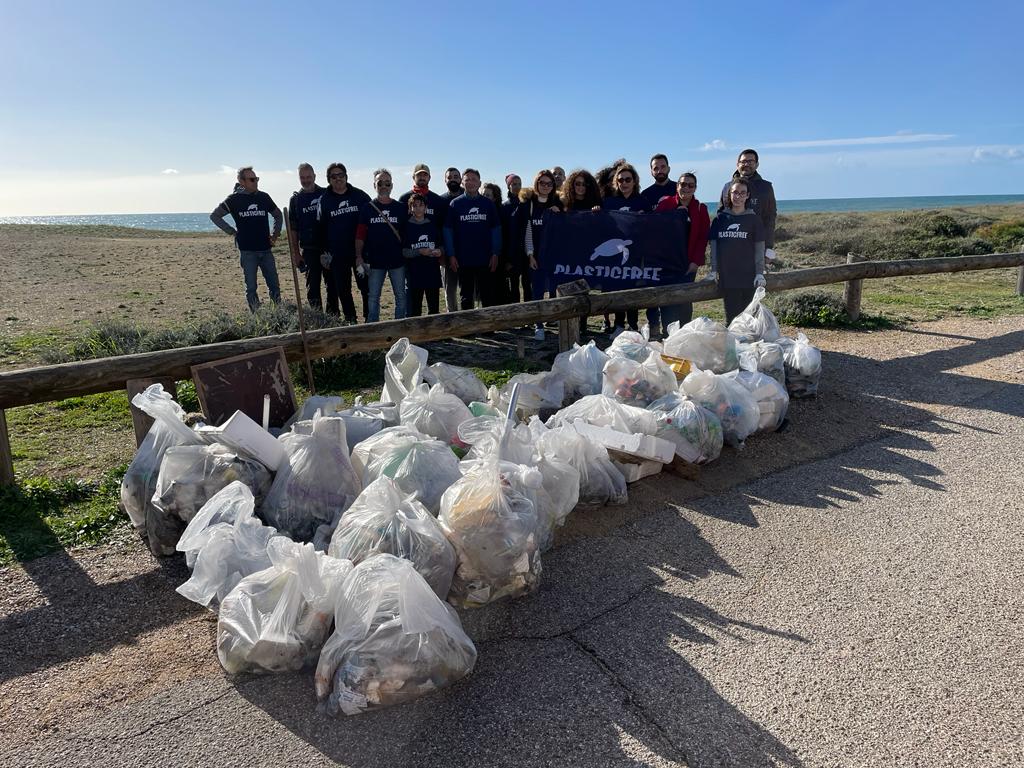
column 315, row 275
column 477, row 280
column 342, row 278
column 517, row 280
column 415, row 304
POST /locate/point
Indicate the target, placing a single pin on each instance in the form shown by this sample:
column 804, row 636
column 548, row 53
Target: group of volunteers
column 482, row 245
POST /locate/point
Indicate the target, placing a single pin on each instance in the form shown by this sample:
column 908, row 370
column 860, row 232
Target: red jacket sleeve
column 700, row 225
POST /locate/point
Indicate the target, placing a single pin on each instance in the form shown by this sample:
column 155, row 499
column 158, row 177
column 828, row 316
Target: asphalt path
column 857, row 610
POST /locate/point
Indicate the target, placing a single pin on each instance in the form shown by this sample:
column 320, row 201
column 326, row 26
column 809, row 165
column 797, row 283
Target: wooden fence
column 56, row 382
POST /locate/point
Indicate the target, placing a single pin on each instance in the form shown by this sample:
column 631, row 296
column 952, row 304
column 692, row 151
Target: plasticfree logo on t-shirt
column 343, row 208
column 733, row 230
column 473, row 214
column 423, row 241
column 384, row 219
column 252, row 210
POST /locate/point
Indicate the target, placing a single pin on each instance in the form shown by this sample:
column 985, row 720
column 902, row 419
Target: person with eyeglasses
column 337, row 220
column 528, row 228
column 762, row 196
column 627, row 197
column 379, row 244
column 250, row 209
column 737, row 240
column 472, row 241
column 685, row 199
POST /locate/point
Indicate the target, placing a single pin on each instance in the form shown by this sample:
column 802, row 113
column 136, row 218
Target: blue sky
column 146, row 107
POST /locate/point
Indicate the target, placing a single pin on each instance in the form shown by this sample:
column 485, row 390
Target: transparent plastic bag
column 728, row 400
column 636, row 383
column 189, row 476
column 772, row 398
column 425, row 468
column 317, row 482
column 803, row 366
column 756, row 322
column 493, row 528
column 600, row 481
column 694, row 430
column 633, row 346
column 403, row 371
column 386, row 440
column 582, row 369
column 277, row 619
column 168, row 430
column 461, row 382
column 385, row 519
column 327, row 405
column 706, row 344
column 434, row 412
column 604, row 411
column 539, row 394
column 764, row 357
column 226, row 542
column 393, row 641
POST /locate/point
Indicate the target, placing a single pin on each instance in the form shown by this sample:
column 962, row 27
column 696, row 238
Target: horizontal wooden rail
column 56, row 382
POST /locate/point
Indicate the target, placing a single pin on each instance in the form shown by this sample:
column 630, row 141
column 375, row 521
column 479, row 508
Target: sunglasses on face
column 687, row 185
column 545, row 183
column 252, row 178
column 336, row 176
column 624, row 181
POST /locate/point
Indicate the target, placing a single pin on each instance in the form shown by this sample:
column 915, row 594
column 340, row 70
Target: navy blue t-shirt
column 422, row 271
column 337, row 219
column 382, row 249
column 635, row 204
column 302, row 213
column 251, row 213
column 471, row 221
column 654, row 193
column 437, row 206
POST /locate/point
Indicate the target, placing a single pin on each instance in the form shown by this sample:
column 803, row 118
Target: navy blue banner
column 613, row 250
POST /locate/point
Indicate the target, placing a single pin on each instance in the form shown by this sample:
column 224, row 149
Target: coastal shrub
column 814, row 308
column 1004, row 235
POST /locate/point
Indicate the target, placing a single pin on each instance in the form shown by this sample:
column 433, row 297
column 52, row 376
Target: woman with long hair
column 529, row 223
column 626, row 197
column 580, row 192
column 737, row 249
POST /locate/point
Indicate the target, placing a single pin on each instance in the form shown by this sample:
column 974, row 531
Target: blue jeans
column 397, row 278
column 263, row 261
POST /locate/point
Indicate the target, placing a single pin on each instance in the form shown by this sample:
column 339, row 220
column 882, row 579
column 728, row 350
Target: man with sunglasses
column 337, row 220
column 249, row 209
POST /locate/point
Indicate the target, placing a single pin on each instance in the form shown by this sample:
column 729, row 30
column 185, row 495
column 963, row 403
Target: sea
column 200, row 222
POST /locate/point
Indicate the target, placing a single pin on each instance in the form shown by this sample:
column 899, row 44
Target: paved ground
column 858, row 609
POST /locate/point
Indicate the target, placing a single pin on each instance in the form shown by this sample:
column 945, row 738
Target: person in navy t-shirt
column 627, row 197
column 528, row 222
column 302, row 211
column 337, row 219
column 250, row 210
column 662, row 186
column 379, row 244
column 423, row 255
column 472, row 239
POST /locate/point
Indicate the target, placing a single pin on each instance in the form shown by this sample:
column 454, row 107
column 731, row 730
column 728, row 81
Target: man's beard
column 453, row 186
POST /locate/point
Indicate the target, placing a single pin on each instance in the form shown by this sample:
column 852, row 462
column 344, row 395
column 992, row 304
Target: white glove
column 759, row 281
column 325, row 259
column 712, row 276
column 360, row 270
column 769, row 254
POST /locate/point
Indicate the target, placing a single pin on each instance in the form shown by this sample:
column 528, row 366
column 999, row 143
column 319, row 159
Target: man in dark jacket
column 762, row 196
column 302, row 212
column 337, row 219
column 249, row 209
column 452, row 180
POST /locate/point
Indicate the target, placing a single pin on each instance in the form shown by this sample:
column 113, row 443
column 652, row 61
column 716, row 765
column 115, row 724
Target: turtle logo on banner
column 612, row 247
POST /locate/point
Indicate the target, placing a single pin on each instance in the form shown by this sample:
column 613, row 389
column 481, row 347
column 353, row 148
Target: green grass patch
column 40, row 515
column 506, row 369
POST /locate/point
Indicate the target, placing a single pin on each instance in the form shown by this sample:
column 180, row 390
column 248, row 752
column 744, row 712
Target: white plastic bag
column 189, row 476
column 636, row 383
column 734, row 406
column 764, row 357
column 384, row 441
column 706, row 344
column 581, row 368
column 168, row 429
column 756, row 322
column 276, row 620
column 403, row 371
column 393, row 641
column 493, row 528
column 385, row 519
column 772, row 398
column 317, row 483
column 633, row 346
column 539, row 393
column 327, row 405
column 803, row 366
column 425, row 468
column 228, row 542
column 604, row 411
column 600, row 480
column 461, row 382
column 694, row 430
column 434, row 412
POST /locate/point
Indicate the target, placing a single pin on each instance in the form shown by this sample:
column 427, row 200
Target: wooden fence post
column 6, row 457
column 569, row 328
column 141, row 421
column 853, row 289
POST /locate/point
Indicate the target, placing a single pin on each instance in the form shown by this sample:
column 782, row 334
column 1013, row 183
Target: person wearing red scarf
column 700, row 225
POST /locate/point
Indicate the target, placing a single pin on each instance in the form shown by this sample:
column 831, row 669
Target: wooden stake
column 6, row 457
column 852, row 291
column 141, row 421
column 569, row 327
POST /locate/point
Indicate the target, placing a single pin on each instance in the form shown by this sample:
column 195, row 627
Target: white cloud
column 228, row 170
column 714, row 144
column 896, row 138
column 170, row 171
column 996, row 154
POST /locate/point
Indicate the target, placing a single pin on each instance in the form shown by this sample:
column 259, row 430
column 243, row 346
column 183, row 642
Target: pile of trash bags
column 348, row 551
